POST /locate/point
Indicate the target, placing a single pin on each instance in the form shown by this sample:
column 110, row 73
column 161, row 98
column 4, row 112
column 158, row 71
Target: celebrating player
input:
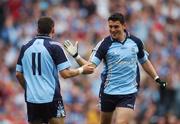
column 120, row 52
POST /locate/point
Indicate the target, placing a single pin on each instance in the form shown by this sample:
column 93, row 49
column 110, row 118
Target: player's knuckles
column 88, row 70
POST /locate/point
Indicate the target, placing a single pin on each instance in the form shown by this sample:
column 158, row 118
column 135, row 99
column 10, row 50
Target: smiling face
column 116, row 29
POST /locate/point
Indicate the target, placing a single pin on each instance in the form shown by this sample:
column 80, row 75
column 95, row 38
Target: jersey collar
column 115, row 40
column 43, row 36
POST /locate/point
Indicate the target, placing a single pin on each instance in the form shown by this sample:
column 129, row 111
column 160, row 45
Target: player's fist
column 70, row 48
column 161, row 83
column 88, row 69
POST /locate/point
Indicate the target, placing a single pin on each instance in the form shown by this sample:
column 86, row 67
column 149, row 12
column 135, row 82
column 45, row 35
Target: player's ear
column 124, row 25
column 53, row 30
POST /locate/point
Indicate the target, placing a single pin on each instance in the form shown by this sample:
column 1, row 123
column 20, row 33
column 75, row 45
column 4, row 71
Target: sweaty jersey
column 40, row 60
column 121, row 72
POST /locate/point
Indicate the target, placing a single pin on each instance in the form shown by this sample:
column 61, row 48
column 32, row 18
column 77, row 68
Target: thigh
column 108, row 103
column 124, row 115
column 125, row 109
column 106, row 117
column 56, row 120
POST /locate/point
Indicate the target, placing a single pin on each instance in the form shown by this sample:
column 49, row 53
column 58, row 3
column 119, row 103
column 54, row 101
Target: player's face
column 116, row 29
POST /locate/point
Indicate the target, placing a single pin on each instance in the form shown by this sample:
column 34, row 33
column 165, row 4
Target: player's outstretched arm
column 85, row 69
column 73, row 51
column 148, row 67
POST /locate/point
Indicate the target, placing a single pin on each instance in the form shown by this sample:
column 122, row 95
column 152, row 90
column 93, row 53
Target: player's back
column 40, row 70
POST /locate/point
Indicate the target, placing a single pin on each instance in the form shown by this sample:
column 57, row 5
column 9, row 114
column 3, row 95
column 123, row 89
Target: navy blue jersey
column 40, row 60
column 121, row 71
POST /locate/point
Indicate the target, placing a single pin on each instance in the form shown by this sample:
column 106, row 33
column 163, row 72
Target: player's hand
column 88, row 69
column 161, row 83
column 70, row 48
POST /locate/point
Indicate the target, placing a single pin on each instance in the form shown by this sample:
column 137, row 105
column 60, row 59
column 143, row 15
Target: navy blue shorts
column 110, row 102
column 45, row 111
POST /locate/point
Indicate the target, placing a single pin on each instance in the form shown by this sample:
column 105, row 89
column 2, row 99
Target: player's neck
column 51, row 35
column 122, row 37
column 43, row 35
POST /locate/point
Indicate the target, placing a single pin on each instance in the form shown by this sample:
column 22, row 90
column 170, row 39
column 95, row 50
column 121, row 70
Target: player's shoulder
column 55, row 43
column 105, row 40
column 99, row 44
column 27, row 44
column 104, row 43
column 135, row 39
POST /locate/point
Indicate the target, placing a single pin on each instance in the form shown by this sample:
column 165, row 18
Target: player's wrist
column 156, row 77
column 80, row 70
column 75, row 55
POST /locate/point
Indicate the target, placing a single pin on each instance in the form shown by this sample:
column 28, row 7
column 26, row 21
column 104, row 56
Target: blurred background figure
column 156, row 22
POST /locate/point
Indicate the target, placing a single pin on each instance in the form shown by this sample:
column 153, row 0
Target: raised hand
column 70, row 48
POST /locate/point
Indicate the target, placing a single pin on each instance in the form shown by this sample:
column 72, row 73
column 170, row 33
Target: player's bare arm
column 85, row 69
column 148, row 67
column 21, row 79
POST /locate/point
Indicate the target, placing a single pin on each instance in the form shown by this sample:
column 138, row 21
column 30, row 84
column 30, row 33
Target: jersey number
column 38, row 63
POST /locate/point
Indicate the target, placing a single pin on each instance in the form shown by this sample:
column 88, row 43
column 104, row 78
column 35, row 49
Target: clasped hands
column 73, row 51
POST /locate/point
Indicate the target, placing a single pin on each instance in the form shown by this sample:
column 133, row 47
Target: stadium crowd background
column 156, row 22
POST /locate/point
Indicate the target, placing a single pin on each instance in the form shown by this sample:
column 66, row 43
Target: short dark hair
column 117, row 17
column 45, row 25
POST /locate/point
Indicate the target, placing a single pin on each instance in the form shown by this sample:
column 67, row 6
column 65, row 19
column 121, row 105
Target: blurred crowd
column 155, row 22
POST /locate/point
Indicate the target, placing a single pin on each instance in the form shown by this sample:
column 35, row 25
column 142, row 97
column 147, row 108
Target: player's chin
column 114, row 36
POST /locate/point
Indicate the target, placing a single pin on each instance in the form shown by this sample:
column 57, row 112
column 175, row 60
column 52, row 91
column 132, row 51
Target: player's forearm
column 20, row 79
column 67, row 73
column 81, row 61
column 85, row 69
column 148, row 67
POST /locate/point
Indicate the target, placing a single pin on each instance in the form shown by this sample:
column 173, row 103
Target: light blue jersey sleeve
column 19, row 67
column 142, row 53
column 144, row 58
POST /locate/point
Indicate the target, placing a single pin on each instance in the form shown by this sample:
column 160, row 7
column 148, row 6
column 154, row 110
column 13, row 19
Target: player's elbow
column 65, row 74
column 18, row 75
